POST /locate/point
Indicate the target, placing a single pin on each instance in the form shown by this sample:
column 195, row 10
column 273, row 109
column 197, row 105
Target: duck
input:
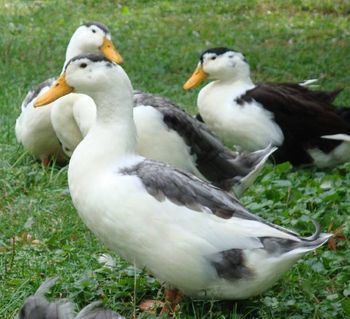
column 38, row 307
column 304, row 124
column 90, row 37
column 193, row 236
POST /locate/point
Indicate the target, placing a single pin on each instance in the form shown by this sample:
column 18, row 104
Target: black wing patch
column 303, row 115
column 163, row 181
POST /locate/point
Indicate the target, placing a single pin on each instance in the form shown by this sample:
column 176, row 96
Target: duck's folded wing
column 212, row 215
column 326, row 98
column 301, row 116
column 184, row 189
column 217, row 163
column 303, row 120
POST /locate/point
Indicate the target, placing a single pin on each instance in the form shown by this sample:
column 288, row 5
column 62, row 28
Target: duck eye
column 230, row 56
column 213, row 57
column 93, row 31
column 83, row 65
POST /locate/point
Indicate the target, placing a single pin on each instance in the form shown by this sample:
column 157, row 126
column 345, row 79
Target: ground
column 40, row 233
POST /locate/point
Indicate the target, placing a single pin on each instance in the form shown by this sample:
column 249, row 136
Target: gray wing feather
column 163, row 181
column 35, row 91
column 217, row 163
column 184, row 189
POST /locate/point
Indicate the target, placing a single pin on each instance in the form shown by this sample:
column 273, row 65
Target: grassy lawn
column 160, row 42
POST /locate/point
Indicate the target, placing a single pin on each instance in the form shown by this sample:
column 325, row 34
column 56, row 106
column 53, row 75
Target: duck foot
column 150, row 305
column 172, row 299
column 337, row 235
column 45, row 162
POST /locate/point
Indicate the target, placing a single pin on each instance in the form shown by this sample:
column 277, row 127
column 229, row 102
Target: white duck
column 303, row 124
column 34, row 129
column 188, row 233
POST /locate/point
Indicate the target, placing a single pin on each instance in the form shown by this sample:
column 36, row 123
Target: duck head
column 219, row 64
column 93, row 37
column 89, row 74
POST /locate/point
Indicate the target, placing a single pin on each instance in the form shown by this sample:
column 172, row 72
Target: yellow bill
column 196, row 78
column 110, row 52
column 58, row 89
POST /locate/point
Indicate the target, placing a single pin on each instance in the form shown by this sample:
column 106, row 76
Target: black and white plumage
column 38, row 307
column 187, row 232
column 168, row 134
column 303, row 124
column 91, row 37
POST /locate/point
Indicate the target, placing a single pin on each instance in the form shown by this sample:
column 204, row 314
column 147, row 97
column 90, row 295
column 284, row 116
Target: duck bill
column 196, row 78
column 58, row 89
column 110, row 52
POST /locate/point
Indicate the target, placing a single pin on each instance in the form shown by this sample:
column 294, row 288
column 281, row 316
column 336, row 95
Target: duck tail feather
column 257, row 160
column 308, row 82
column 338, row 137
column 283, row 246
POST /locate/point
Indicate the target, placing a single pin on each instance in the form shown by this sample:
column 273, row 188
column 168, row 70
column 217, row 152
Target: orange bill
column 110, row 52
column 58, row 89
column 196, row 78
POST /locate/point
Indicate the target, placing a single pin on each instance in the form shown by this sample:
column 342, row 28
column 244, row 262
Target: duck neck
column 114, row 132
column 236, row 81
column 71, row 52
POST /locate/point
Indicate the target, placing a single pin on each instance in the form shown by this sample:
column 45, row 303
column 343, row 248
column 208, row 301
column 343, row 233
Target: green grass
column 160, row 41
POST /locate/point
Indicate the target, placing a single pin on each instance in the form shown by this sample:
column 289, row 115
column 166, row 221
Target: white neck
column 235, row 79
column 72, row 51
column 236, row 82
column 113, row 137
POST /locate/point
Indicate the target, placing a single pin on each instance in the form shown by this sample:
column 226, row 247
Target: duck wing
column 217, row 163
column 247, row 231
column 303, row 118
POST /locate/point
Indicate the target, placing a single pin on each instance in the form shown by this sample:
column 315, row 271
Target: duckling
column 302, row 123
column 190, row 234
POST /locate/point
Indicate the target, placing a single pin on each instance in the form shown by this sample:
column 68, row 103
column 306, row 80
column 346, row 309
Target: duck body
column 34, row 129
column 202, row 254
column 303, row 124
column 185, row 231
